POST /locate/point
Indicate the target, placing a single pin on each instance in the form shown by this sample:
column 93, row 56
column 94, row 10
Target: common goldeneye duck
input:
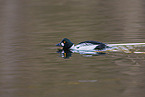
column 85, row 45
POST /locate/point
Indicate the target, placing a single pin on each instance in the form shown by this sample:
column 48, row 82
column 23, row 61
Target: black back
column 100, row 44
column 92, row 42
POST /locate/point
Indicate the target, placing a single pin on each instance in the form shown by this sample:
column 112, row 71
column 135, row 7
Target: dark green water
column 30, row 66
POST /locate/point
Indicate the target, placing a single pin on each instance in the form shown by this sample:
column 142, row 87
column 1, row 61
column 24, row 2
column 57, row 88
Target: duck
column 66, row 44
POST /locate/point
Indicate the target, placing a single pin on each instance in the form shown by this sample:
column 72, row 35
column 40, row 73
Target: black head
column 65, row 43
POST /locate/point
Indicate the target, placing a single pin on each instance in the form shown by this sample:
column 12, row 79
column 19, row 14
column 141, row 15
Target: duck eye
column 64, row 42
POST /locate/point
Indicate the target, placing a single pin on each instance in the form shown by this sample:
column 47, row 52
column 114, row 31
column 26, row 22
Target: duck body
column 89, row 45
column 85, row 45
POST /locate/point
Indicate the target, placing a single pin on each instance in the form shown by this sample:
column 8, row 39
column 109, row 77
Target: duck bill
column 58, row 44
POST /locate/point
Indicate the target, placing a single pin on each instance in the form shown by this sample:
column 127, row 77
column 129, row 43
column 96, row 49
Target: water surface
column 30, row 66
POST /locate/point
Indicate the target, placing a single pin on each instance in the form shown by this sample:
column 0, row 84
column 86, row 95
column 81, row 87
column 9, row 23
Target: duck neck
column 72, row 47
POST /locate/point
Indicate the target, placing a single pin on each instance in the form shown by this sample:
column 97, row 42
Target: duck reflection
column 64, row 53
column 68, row 53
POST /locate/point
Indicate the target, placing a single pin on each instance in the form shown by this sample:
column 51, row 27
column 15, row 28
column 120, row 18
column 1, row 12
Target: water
column 30, row 66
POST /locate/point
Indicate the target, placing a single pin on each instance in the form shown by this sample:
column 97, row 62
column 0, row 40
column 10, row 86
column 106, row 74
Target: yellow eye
column 64, row 42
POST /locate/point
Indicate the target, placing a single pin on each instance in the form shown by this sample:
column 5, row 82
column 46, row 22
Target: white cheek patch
column 62, row 44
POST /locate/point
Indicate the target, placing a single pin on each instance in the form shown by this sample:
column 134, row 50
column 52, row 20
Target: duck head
column 65, row 43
